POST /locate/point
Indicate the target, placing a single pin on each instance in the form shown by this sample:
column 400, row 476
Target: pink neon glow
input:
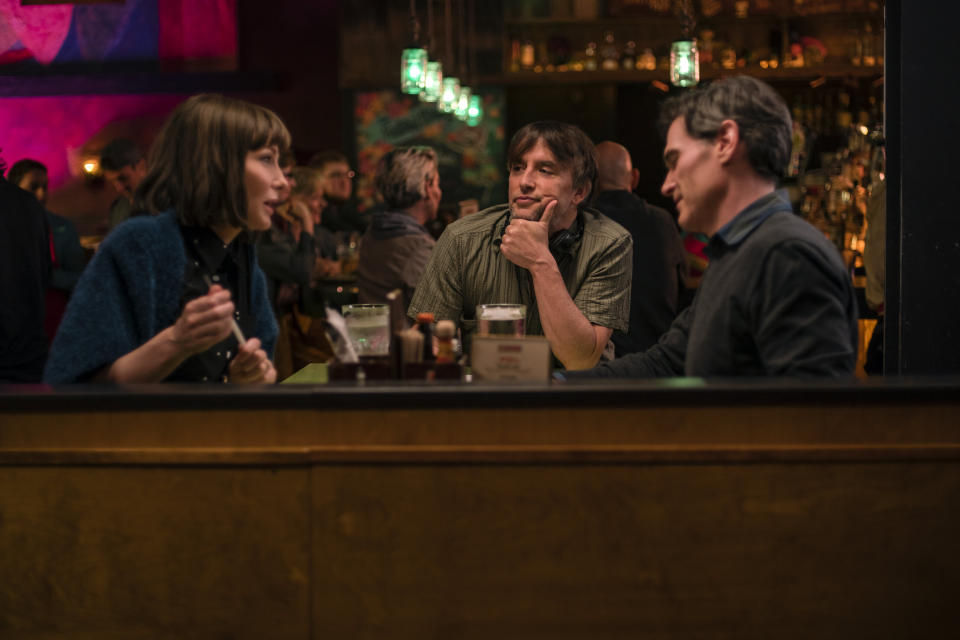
column 50, row 129
column 191, row 30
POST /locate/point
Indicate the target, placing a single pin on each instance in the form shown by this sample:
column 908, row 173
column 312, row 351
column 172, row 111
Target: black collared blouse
column 210, row 260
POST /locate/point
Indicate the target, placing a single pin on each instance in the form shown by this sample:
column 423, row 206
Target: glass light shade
column 413, row 65
column 450, row 95
column 475, row 111
column 433, row 82
column 463, row 104
column 684, row 63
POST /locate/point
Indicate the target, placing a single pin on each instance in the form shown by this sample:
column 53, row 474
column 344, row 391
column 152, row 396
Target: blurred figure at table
column 123, row 167
column 395, row 249
column 66, row 253
column 776, row 298
column 25, row 268
column 308, row 199
column 336, row 182
column 176, row 295
column 658, row 257
column 287, row 253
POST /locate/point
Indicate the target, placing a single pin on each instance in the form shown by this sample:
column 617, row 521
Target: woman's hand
column 204, row 322
column 303, row 216
column 251, row 365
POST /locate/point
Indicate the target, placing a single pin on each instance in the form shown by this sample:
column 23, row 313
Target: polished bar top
column 420, row 394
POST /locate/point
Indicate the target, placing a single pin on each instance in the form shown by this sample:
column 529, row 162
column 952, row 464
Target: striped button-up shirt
column 466, row 269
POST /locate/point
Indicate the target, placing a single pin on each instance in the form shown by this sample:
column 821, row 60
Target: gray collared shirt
column 466, row 269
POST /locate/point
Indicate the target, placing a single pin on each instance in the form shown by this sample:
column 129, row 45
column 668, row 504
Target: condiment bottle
column 424, row 324
column 445, row 331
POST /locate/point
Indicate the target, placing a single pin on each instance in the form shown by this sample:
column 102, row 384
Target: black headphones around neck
column 562, row 241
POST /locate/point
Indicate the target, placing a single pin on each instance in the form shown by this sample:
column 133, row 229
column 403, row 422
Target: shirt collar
column 745, row 222
column 209, row 247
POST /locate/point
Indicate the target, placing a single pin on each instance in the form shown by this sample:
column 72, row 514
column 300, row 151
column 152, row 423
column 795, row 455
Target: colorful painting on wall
column 471, row 158
column 66, row 34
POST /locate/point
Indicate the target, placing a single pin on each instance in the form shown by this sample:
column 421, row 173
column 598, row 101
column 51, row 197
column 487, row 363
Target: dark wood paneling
column 128, row 552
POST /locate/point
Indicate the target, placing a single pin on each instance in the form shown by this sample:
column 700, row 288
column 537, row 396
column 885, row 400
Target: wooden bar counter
column 671, row 509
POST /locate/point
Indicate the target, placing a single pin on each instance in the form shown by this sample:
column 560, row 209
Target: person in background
column 24, row 278
column 568, row 263
column 307, row 199
column 170, row 295
column 658, row 259
column 874, row 258
column 123, row 166
column 396, row 246
column 336, row 178
column 66, row 252
column 287, row 253
column 776, row 299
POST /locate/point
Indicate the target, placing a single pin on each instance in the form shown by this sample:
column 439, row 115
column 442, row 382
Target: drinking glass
column 501, row 319
column 369, row 328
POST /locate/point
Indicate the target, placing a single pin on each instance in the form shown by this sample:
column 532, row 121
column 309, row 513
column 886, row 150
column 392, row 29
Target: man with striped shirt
column 569, row 264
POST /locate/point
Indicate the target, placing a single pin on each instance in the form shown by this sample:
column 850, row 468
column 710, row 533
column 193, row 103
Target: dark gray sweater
column 776, row 300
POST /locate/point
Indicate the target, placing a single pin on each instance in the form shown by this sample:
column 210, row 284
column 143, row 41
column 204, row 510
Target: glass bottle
column 647, row 60
column 609, row 57
column 425, row 326
column 869, row 58
column 629, row 60
column 590, row 57
column 445, row 332
column 528, row 55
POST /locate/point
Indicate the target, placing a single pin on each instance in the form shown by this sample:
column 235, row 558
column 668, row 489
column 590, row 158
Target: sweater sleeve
column 265, row 322
column 665, row 359
column 107, row 313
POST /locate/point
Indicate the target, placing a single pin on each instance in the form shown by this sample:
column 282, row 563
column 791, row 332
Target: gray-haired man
column 395, row 248
column 776, row 299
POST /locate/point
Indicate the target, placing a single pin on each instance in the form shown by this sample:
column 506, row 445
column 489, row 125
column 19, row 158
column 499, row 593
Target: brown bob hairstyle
column 196, row 164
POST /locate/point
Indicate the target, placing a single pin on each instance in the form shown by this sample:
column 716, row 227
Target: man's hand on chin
column 526, row 242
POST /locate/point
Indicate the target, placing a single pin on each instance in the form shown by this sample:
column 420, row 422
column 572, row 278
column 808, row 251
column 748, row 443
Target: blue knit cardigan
column 130, row 292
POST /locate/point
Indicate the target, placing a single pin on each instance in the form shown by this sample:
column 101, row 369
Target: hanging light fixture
column 450, row 95
column 413, row 61
column 684, row 63
column 475, row 110
column 463, row 100
column 475, row 104
column 463, row 103
column 684, row 56
column 433, row 78
column 433, row 82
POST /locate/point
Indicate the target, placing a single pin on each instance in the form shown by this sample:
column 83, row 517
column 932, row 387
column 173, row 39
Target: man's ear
column 727, row 140
column 580, row 193
column 634, row 178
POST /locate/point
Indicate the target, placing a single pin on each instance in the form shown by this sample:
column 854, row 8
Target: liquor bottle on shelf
column 628, row 62
column 647, row 61
column 609, row 56
column 869, row 57
column 515, row 55
column 528, row 55
column 590, row 57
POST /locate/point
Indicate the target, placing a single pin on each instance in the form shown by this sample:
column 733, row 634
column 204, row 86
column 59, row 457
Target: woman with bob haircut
column 169, row 294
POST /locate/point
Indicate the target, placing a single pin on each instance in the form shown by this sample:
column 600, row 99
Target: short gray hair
column 401, row 175
column 760, row 113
